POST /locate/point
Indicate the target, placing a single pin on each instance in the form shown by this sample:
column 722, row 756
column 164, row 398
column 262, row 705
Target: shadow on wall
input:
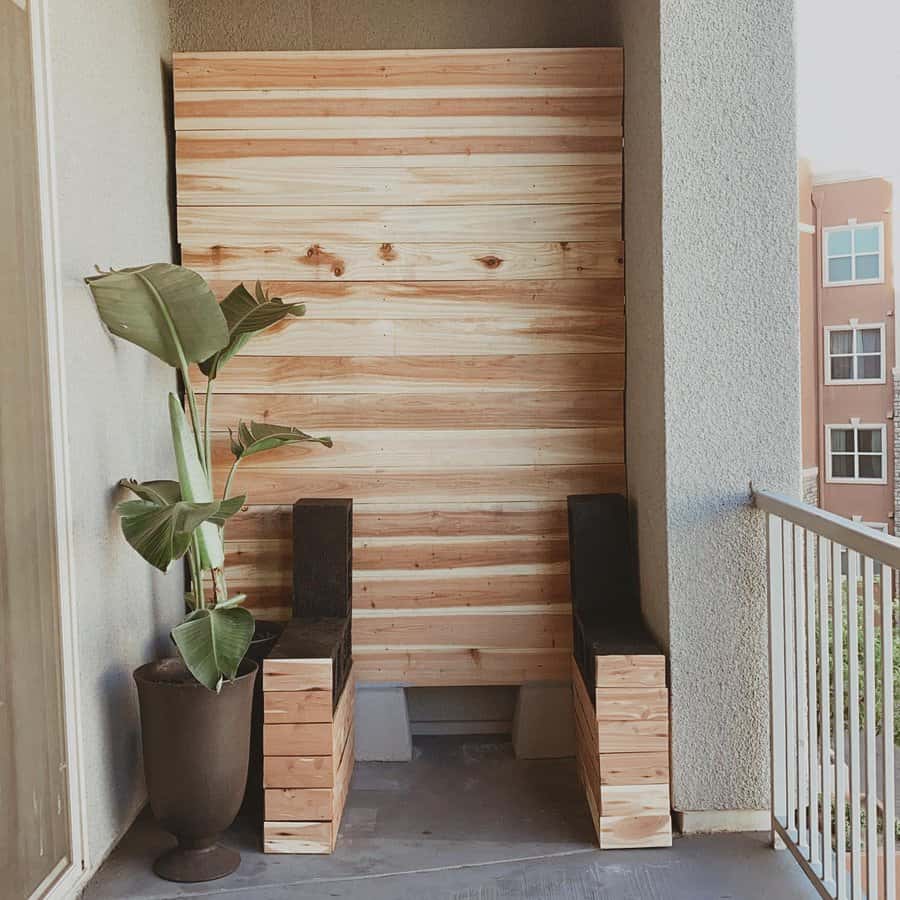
column 387, row 24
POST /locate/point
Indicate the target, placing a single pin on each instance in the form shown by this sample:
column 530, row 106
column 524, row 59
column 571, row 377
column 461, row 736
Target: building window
column 856, row 453
column 853, row 254
column 854, row 353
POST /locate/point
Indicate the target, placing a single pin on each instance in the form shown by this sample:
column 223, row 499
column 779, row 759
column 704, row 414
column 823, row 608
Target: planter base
column 188, row 864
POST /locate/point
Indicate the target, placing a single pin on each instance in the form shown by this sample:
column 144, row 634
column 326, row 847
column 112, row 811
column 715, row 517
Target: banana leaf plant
column 172, row 313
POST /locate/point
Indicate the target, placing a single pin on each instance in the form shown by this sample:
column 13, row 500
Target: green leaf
column 212, row 643
column 166, row 309
column 247, row 315
column 154, row 491
column 195, row 486
column 227, row 508
column 160, row 529
column 257, row 437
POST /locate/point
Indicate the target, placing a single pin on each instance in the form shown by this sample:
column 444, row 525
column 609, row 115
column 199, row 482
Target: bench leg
column 382, row 724
column 543, row 726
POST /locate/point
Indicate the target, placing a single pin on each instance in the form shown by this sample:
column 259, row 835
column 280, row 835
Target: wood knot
column 490, row 262
column 314, row 250
column 387, row 252
column 564, row 245
column 337, row 271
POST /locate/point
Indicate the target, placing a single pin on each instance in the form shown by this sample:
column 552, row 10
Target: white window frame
column 856, row 426
column 852, row 226
column 852, row 327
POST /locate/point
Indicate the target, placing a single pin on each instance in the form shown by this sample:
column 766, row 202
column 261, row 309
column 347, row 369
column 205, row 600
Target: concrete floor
column 466, row 821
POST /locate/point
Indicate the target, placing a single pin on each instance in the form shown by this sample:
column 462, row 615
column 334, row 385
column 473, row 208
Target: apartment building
column 850, row 386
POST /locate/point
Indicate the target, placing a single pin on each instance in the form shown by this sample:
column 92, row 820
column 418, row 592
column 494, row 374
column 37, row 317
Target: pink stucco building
column 848, row 340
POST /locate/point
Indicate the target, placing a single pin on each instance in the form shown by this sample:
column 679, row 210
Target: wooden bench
column 619, row 683
column 309, row 691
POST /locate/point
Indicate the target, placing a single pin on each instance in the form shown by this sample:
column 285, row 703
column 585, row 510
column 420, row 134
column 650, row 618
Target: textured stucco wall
column 636, row 27
column 722, row 293
column 109, row 101
column 386, row 24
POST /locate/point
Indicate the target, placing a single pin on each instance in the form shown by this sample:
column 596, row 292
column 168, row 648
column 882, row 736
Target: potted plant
column 195, row 708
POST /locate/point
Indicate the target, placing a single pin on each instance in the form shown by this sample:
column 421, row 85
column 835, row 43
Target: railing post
column 777, row 744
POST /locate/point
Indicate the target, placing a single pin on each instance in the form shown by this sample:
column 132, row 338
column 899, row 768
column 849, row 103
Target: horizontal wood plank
column 618, row 671
column 409, row 262
column 287, row 181
column 298, row 771
column 209, row 226
column 307, row 739
column 437, row 449
column 513, row 483
column 589, row 67
column 290, row 116
column 633, row 736
column 413, row 374
column 298, row 804
column 635, row 768
column 374, row 520
column 286, row 108
column 297, row 675
column 632, row 704
column 438, row 668
column 441, row 299
column 297, row 837
column 416, row 553
column 604, row 333
column 631, row 832
column 463, row 629
column 297, row 706
column 634, row 799
column 513, row 409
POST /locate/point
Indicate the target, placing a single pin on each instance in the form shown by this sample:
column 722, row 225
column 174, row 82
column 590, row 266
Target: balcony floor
column 465, row 820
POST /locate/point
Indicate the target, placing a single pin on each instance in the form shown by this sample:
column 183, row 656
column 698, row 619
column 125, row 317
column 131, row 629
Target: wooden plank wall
column 453, row 221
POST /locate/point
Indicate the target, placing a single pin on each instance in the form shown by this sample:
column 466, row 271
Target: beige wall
column 109, row 115
column 386, row 24
column 866, row 200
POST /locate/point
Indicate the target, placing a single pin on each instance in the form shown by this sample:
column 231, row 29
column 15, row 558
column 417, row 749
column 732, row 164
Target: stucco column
column 713, row 396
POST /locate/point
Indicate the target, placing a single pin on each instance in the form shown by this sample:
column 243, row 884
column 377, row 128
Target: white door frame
column 64, row 883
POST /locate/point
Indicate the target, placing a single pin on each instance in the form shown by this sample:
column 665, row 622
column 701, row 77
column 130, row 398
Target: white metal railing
column 831, row 682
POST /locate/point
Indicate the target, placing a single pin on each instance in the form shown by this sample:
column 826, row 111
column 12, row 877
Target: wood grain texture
column 276, row 486
column 452, row 222
column 509, row 409
column 297, row 837
column 297, row 706
column 457, row 152
column 416, row 520
column 299, row 804
column 298, row 771
column 486, row 299
column 438, row 449
column 208, row 226
column 593, row 67
column 288, row 181
column 293, row 109
column 409, row 261
column 647, row 670
column 440, row 667
column 538, row 336
column 421, row 374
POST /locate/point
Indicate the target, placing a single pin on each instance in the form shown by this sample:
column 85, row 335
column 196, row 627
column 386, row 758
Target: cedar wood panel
column 452, row 219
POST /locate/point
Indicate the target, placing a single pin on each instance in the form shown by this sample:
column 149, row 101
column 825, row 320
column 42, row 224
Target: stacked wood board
column 622, row 750
column 452, row 219
column 307, row 755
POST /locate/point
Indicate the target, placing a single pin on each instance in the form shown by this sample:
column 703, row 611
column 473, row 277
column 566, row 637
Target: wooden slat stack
column 453, row 221
column 308, row 755
column 622, row 750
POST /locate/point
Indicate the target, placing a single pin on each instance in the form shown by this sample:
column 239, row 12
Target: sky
column 848, row 86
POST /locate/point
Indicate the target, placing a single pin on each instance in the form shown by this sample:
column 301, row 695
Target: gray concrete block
column 382, row 724
column 544, row 723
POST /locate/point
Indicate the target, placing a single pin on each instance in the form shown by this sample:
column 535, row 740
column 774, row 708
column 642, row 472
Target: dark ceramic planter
column 196, row 745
